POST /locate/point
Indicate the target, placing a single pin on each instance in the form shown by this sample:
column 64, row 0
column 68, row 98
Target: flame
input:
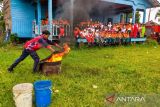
column 58, row 57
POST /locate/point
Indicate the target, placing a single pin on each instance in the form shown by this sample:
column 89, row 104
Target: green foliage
column 151, row 42
column 1, row 39
column 157, row 14
column 2, row 28
column 3, row 43
column 14, row 38
column 2, row 25
column 130, row 15
column 138, row 17
column 2, row 22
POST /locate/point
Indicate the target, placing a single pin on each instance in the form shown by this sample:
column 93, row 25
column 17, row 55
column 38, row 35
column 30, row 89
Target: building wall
column 7, row 15
column 22, row 14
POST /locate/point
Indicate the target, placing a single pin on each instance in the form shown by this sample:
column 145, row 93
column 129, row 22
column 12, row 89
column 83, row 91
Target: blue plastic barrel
column 43, row 93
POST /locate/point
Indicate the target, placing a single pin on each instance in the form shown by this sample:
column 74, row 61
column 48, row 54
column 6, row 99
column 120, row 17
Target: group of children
column 96, row 32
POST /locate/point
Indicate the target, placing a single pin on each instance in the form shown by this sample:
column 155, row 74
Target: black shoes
column 10, row 70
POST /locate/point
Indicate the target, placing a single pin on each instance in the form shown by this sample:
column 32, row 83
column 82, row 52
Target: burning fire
column 58, row 57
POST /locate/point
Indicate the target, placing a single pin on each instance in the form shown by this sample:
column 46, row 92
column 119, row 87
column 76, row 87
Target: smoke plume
column 80, row 9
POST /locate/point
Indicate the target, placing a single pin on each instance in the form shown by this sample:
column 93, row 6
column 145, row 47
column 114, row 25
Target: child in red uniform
column 135, row 31
column 61, row 32
column 76, row 32
column 132, row 31
column 91, row 37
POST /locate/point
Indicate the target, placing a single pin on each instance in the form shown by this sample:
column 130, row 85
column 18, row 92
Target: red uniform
column 135, row 31
column 36, row 43
column 76, row 33
column 90, row 38
column 61, row 29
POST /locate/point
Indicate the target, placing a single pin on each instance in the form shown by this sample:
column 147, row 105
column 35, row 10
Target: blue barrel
column 43, row 93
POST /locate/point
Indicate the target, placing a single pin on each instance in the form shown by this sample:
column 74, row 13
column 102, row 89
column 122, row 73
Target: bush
column 14, row 38
column 151, row 42
column 2, row 38
column 2, row 41
column 2, row 25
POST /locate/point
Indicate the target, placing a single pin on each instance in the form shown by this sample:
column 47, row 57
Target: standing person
column 31, row 47
column 61, row 32
column 109, row 26
column 132, row 31
column 135, row 30
column 129, row 27
column 143, row 31
column 139, row 30
column 123, row 30
column 76, row 33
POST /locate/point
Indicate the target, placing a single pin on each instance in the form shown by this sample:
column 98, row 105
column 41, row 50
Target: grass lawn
column 123, row 69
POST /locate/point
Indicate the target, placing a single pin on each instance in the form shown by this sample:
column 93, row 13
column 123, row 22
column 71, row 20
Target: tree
column 138, row 16
column 2, row 23
column 137, row 20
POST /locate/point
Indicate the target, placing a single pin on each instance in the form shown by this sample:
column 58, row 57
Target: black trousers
column 24, row 54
